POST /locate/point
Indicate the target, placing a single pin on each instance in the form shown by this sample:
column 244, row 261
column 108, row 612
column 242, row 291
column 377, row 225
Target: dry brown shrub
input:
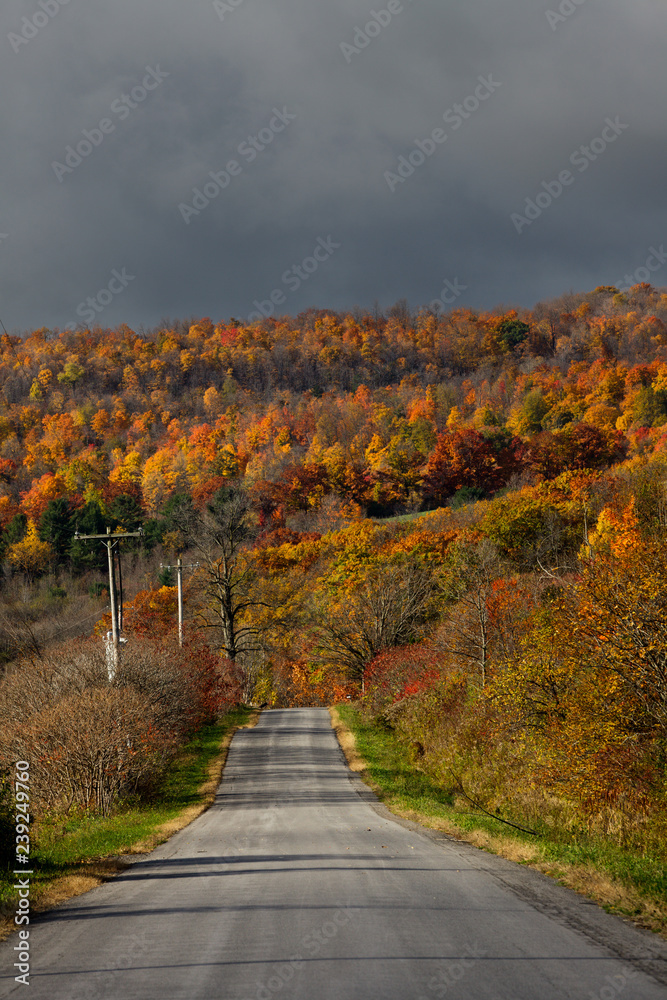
column 91, row 742
column 37, row 681
column 90, row 748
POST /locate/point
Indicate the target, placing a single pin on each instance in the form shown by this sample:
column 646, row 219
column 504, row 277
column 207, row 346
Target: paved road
column 297, row 885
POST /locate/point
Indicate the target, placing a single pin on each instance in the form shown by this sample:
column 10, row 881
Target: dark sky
column 314, row 131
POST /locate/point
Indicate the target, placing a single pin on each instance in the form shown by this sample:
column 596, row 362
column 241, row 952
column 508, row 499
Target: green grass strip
column 61, row 844
column 401, row 786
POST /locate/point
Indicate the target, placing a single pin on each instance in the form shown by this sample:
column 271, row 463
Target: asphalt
column 297, row 884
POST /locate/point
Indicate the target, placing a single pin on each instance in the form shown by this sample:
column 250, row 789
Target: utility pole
column 111, row 540
column 179, row 576
column 179, row 579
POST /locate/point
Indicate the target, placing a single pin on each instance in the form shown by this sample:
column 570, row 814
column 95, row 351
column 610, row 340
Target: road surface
column 296, row 884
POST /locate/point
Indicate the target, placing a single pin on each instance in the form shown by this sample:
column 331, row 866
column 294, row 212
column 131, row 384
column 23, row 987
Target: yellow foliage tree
column 32, row 556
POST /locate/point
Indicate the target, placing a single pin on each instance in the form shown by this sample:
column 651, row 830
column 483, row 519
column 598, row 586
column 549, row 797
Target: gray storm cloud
column 206, row 148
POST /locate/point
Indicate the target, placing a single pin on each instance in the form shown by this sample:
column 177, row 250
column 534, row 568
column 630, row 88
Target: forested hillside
column 459, row 518
column 388, row 413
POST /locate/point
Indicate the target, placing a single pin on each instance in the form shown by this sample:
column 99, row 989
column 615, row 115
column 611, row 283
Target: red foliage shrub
column 204, row 493
column 395, row 674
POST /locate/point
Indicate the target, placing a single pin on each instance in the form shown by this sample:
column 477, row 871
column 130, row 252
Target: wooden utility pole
column 179, row 574
column 179, row 580
column 111, row 540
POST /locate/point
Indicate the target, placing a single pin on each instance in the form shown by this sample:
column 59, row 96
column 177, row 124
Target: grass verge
column 630, row 885
column 72, row 854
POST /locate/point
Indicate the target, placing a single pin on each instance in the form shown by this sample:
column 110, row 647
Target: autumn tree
column 220, row 535
column 389, row 605
column 468, row 631
column 615, row 614
column 587, row 447
column 465, row 458
column 32, row 556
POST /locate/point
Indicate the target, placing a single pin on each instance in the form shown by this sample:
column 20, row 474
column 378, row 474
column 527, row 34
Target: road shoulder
column 92, row 873
column 526, row 878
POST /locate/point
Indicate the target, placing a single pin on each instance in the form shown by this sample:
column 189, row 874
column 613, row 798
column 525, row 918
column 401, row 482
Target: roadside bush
column 395, row 674
column 92, row 748
column 186, row 687
column 156, row 672
column 32, row 684
column 89, row 742
column 216, row 683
